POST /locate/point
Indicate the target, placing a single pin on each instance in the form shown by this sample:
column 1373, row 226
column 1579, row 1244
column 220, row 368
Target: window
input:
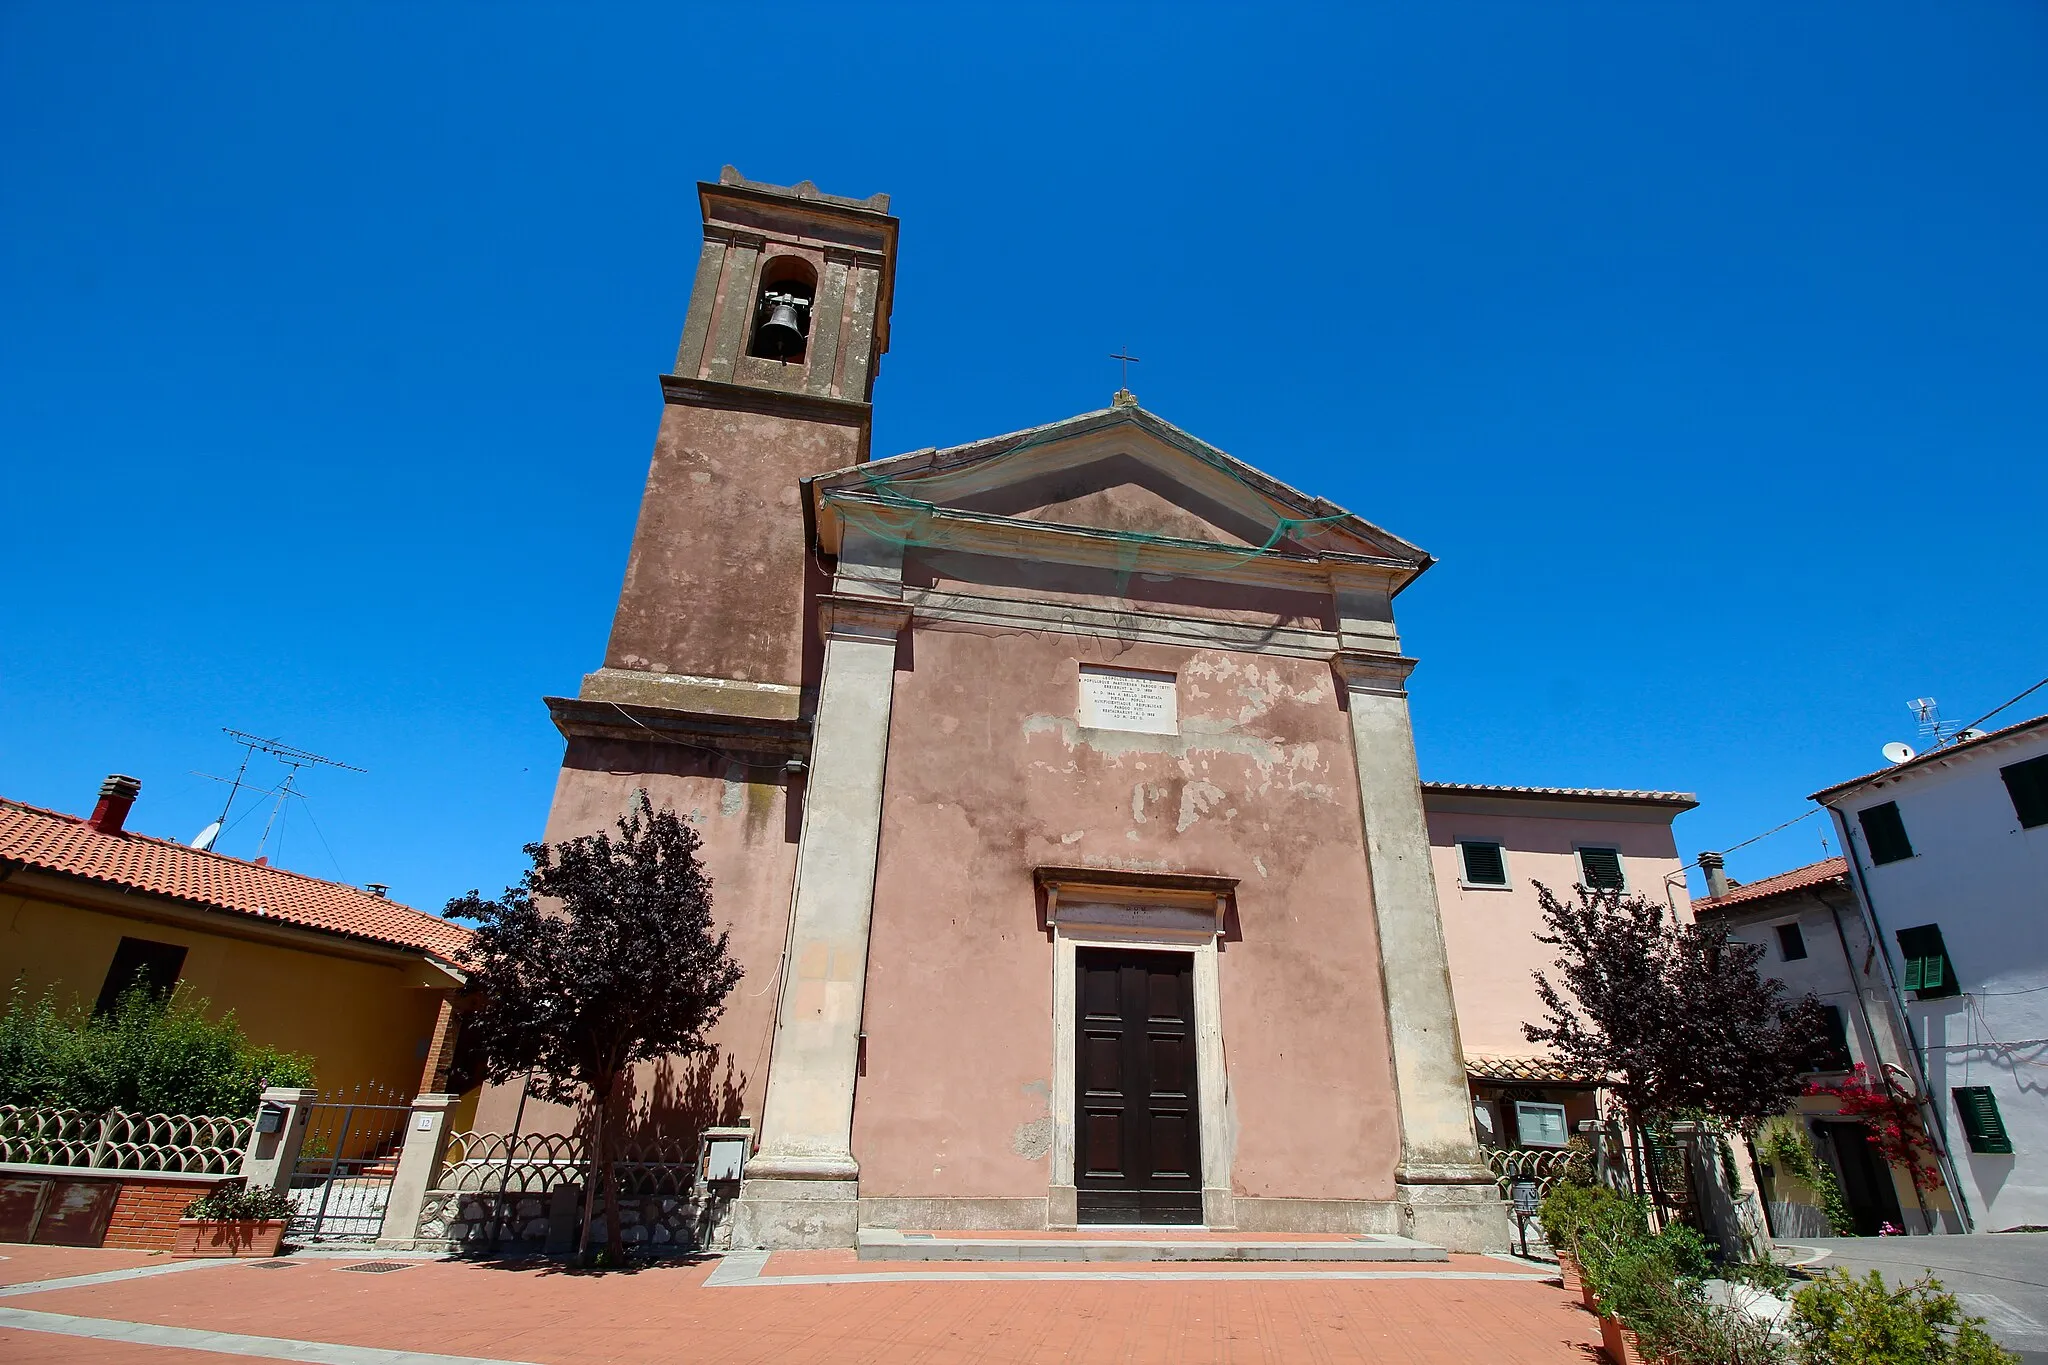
column 1482, row 1123
column 1791, row 943
column 1831, row 1049
column 155, row 966
column 1928, row 969
column 2027, row 784
column 1601, row 868
column 1981, row 1123
column 1486, row 864
column 1540, row 1125
column 1885, row 833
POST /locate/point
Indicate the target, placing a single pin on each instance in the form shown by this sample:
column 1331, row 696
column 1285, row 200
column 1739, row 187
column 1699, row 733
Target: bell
column 783, row 332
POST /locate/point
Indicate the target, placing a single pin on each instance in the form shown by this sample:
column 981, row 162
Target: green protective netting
column 882, row 506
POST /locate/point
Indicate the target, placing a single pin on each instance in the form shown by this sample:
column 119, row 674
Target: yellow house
column 361, row 984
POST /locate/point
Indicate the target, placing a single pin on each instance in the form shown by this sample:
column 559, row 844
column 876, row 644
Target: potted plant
column 233, row 1221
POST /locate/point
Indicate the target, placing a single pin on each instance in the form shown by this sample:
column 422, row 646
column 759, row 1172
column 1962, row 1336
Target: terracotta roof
column 1539, row 1069
column 1798, row 879
column 1948, row 750
column 1683, row 800
column 66, row 845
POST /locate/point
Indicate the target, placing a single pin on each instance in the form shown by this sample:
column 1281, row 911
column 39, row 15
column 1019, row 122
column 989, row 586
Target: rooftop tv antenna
column 292, row 757
column 1933, row 728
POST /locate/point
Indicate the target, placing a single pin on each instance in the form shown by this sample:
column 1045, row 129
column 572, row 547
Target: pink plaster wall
column 989, row 777
column 749, row 850
column 1490, row 934
column 715, row 582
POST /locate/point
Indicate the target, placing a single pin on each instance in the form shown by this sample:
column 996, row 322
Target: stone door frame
column 1091, row 923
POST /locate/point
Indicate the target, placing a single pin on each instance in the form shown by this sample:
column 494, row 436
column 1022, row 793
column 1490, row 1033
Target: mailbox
column 270, row 1118
column 724, row 1154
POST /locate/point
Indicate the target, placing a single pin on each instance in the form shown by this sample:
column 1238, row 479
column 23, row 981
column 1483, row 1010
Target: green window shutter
column 1928, row 968
column 1602, row 868
column 1981, row 1123
column 1884, row 833
column 2027, row 784
column 1484, row 864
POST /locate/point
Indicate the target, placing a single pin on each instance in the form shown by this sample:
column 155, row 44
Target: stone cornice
column 935, row 607
column 842, row 616
column 712, row 393
column 719, row 733
column 1365, row 670
column 1092, row 547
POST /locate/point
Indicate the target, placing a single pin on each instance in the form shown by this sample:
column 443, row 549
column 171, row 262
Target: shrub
column 1841, row 1320
column 1588, row 1220
column 1784, row 1144
column 153, row 1054
column 239, row 1204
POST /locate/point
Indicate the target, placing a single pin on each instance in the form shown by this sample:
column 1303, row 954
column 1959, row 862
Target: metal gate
column 341, row 1181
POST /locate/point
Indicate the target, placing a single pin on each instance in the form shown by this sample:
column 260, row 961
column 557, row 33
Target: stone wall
column 537, row 1224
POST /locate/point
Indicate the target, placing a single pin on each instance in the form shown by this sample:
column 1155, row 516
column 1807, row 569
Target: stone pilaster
column 1448, row 1196
column 268, row 1160
column 419, row 1161
column 801, row 1189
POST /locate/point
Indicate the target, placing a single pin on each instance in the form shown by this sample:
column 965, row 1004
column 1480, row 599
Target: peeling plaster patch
column 1138, row 802
column 1196, row 799
column 1259, row 865
column 1037, row 1090
column 1076, row 837
column 734, row 798
column 948, row 724
column 1032, row 1140
column 699, row 476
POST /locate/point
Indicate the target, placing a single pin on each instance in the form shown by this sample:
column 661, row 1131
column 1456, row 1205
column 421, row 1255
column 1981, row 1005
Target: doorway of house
column 1138, row 1146
column 1866, row 1177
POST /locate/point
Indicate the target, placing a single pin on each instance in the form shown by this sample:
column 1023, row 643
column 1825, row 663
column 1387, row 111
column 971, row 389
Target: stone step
column 1121, row 1244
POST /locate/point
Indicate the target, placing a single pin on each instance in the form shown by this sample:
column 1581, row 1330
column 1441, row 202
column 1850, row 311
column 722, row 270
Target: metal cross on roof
column 1129, row 360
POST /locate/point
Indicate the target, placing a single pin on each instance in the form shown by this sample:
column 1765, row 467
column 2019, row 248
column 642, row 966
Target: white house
column 1948, row 855
column 1817, row 941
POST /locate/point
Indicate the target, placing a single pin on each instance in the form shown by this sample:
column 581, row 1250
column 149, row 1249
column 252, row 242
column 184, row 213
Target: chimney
column 117, row 794
column 1717, row 878
column 381, row 890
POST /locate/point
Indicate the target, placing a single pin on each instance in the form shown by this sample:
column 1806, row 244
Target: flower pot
column 1568, row 1268
column 201, row 1237
column 1610, row 1340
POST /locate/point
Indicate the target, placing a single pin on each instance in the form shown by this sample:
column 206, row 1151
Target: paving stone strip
column 139, row 1272
column 739, row 1268
column 226, row 1343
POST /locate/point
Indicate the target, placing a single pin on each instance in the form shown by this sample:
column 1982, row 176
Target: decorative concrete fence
column 73, row 1178
column 522, row 1193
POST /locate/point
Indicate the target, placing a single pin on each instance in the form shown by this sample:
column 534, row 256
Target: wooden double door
column 1138, row 1156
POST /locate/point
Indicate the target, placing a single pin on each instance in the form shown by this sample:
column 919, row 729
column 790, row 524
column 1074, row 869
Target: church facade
column 1058, row 788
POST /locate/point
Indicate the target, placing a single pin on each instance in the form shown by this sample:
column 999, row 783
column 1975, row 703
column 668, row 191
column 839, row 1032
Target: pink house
column 1489, row 847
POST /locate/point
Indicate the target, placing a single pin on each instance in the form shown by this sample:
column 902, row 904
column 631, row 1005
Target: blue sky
column 1705, row 345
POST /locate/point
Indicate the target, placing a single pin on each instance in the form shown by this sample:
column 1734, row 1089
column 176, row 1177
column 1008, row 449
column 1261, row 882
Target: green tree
column 604, row 956
column 1676, row 1015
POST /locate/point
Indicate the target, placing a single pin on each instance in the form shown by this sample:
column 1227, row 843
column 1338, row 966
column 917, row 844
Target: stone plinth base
column 792, row 1215
column 1458, row 1217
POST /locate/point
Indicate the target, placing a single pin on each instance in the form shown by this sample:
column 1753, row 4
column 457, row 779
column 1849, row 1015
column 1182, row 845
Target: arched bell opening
column 782, row 310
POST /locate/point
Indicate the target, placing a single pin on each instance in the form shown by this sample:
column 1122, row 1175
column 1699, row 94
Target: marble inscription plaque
column 1127, row 699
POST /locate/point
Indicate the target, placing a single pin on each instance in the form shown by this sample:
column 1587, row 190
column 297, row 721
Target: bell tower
column 786, row 326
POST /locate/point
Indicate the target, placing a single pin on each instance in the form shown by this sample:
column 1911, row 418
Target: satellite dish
column 204, row 839
column 1896, row 752
column 1969, row 735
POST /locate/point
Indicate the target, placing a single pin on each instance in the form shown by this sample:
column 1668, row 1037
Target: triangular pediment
column 1122, row 472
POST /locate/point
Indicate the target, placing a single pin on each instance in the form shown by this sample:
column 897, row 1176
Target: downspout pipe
column 1859, row 881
